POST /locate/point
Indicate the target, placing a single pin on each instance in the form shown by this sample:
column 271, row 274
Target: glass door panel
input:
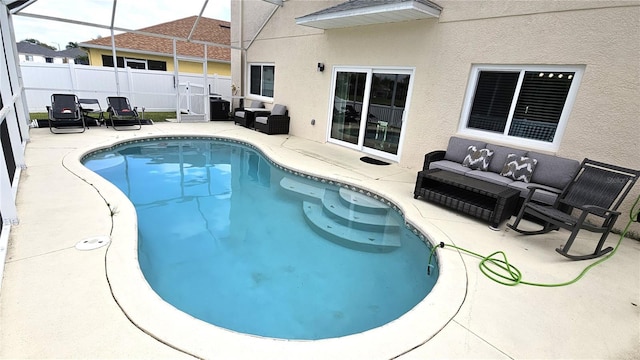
column 385, row 111
column 347, row 106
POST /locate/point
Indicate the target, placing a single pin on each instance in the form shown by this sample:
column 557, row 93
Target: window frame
column 142, row 62
column 248, row 85
column 504, row 138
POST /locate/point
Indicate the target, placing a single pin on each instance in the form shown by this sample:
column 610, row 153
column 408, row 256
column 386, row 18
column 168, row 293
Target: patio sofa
column 523, row 169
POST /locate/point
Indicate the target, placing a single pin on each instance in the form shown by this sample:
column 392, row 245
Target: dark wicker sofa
column 550, row 172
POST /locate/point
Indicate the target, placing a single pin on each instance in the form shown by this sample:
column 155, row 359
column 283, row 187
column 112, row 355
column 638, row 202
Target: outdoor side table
column 484, row 200
column 250, row 116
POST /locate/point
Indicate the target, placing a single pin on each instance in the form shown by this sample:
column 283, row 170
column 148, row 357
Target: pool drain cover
column 93, row 243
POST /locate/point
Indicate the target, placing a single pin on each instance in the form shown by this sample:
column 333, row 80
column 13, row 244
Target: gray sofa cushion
column 449, row 166
column 457, row 148
column 500, row 154
column 552, row 170
column 542, row 196
column 261, row 119
column 489, row 176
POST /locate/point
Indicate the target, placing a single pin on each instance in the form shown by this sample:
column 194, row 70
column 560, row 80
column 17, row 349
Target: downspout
column 176, row 80
column 113, row 48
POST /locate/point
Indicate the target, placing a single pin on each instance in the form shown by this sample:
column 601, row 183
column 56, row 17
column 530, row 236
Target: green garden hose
column 501, row 271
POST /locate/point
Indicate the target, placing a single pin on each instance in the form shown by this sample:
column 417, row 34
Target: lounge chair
column 272, row 122
column 121, row 115
column 91, row 111
column 245, row 116
column 64, row 113
column 596, row 191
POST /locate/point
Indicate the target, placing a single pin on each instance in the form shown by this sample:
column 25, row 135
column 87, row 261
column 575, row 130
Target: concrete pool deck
column 58, row 302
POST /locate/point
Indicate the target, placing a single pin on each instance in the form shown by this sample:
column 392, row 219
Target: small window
column 157, row 65
column 107, row 60
column 28, row 57
column 49, row 60
column 520, row 104
column 261, row 80
column 136, row 63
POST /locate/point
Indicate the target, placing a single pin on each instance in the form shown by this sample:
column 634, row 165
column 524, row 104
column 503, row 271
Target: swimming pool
column 216, row 197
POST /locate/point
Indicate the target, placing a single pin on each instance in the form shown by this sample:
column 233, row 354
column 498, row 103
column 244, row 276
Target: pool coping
column 167, row 324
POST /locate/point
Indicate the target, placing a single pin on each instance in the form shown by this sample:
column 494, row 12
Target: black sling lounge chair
column 121, row 115
column 64, row 113
column 596, row 191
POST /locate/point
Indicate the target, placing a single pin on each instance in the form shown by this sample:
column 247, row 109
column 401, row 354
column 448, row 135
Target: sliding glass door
column 347, row 106
column 369, row 109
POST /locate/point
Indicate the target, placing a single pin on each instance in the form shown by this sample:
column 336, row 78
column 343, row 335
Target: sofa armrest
column 536, row 187
column 430, row 157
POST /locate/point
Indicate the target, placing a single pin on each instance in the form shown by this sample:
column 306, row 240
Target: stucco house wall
column 603, row 37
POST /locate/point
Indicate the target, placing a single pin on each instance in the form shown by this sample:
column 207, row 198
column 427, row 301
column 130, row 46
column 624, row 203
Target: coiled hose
column 497, row 267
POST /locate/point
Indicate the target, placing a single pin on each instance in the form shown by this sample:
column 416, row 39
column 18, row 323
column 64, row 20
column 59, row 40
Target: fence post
column 72, row 75
column 130, row 85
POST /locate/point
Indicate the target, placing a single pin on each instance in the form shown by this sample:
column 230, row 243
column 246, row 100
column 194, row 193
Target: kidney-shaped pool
column 231, row 238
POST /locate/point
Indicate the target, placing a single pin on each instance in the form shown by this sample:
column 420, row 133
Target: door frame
column 365, row 106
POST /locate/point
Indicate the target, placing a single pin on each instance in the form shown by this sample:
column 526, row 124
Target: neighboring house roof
column 207, row 30
column 25, row 47
column 72, row 53
column 367, row 12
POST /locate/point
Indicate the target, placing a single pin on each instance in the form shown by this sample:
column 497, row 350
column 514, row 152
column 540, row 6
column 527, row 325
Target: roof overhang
column 376, row 12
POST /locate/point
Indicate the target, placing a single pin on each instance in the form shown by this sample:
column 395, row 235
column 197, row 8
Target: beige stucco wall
column 602, row 36
column 213, row 67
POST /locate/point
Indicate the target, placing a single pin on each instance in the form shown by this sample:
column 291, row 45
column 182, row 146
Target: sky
column 130, row 14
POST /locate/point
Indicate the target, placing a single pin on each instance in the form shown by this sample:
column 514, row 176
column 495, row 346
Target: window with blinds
column 540, row 104
column 492, row 100
column 519, row 102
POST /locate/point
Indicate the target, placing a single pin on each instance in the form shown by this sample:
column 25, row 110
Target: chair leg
column 545, row 228
column 601, row 244
column 515, row 224
column 597, row 253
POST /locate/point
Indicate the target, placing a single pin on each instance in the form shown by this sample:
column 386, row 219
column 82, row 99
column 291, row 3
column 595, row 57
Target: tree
column 72, row 45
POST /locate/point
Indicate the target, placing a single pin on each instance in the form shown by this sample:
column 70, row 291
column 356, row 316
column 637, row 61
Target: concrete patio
column 59, row 302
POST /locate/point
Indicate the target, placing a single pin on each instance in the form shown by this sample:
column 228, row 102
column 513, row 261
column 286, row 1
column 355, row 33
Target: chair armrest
column 430, row 157
column 278, row 118
column 599, row 211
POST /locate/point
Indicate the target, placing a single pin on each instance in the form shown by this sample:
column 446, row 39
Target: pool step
column 362, row 203
column 346, row 217
column 302, row 188
column 364, row 215
column 354, row 238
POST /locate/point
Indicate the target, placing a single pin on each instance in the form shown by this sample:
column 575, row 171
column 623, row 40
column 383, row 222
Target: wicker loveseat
column 518, row 171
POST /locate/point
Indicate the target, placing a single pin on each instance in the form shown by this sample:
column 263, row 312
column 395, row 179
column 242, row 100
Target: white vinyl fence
column 153, row 90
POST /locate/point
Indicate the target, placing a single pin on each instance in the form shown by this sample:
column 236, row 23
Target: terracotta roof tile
column 209, row 30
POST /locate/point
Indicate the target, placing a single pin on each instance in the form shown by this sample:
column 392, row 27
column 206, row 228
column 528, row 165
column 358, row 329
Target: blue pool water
column 229, row 238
